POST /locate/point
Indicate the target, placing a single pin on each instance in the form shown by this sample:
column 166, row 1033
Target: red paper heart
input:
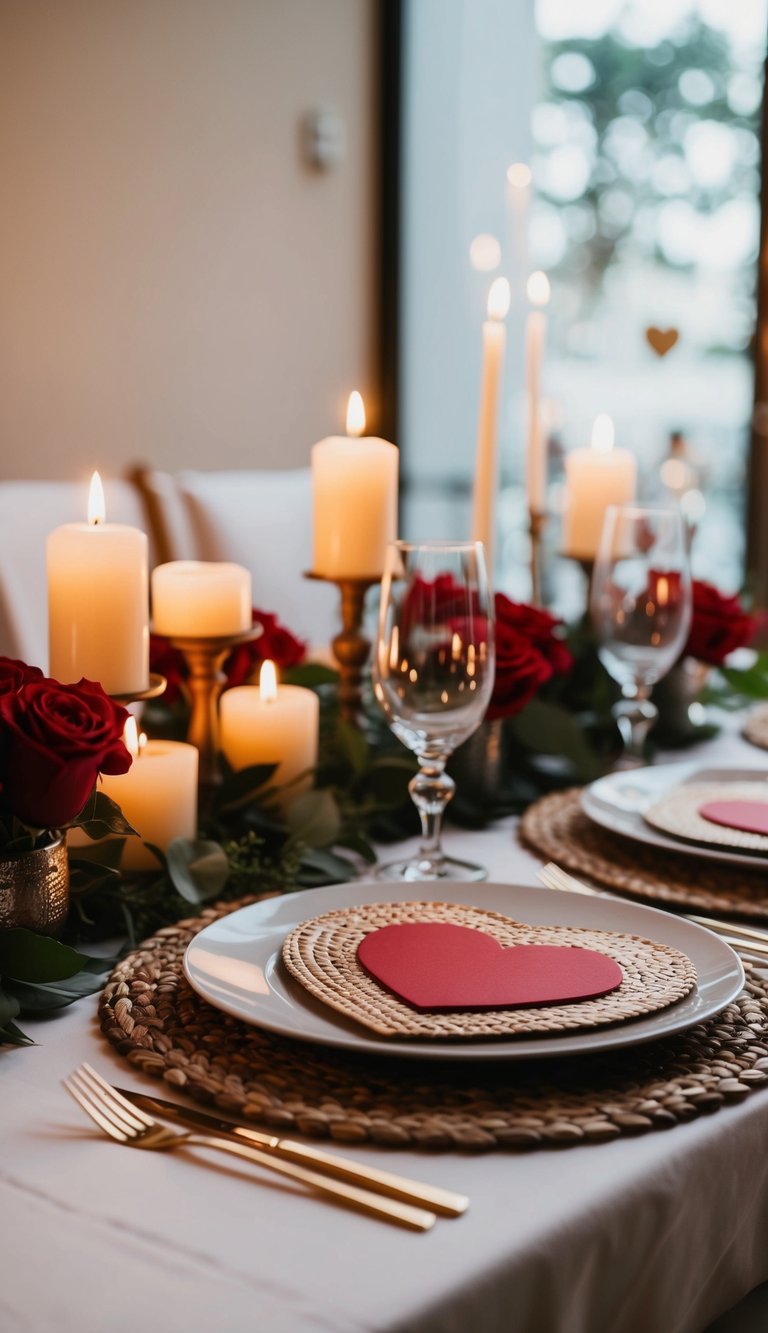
column 434, row 965
column 746, row 816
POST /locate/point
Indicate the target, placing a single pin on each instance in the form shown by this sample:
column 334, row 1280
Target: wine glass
column 640, row 604
column 433, row 675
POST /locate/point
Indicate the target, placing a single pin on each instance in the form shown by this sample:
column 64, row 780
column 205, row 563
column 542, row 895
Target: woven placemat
column 154, row 1018
column 322, row 956
column 755, row 728
column 678, row 814
column 557, row 829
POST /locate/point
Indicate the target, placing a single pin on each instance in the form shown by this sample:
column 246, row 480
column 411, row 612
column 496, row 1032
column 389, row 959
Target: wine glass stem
column 635, row 715
column 431, row 791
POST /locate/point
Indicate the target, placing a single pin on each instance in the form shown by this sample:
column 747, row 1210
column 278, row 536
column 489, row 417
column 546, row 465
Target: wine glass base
column 422, row 868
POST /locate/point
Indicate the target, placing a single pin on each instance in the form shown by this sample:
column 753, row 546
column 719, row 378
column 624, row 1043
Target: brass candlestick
column 157, row 686
column 205, row 655
column 351, row 648
column 537, row 522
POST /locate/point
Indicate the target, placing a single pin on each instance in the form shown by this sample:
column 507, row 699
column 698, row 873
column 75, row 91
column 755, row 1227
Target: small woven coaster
column 678, row 814
column 322, row 955
column 154, row 1018
column 558, row 830
column 755, row 728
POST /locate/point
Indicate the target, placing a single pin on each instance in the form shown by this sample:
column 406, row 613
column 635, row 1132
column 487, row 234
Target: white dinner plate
column 236, row 965
column 617, row 802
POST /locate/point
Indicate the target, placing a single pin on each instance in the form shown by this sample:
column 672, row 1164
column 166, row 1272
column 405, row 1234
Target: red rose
column 539, row 627
column 275, row 642
column 528, row 654
column 719, row 625
column 14, row 674
column 56, row 739
column 169, row 662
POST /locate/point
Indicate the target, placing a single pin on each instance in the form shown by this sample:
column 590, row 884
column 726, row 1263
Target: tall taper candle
column 486, row 461
column 535, row 334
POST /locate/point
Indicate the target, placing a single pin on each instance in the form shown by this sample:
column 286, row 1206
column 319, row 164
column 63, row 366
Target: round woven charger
column 556, row 828
column 755, row 728
column 153, row 1017
column 322, row 956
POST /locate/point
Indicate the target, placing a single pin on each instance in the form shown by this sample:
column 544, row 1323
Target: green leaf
column 101, row 815
column 39, row 997
column 25, row 956
column 314, row 819
column 310, row 674
column 353, row 746
column 9, row 1008
column 243, row 787
column 547, row 728
column 11, row 1035
column 356, row 842
column 320, row 866
column 199, row 869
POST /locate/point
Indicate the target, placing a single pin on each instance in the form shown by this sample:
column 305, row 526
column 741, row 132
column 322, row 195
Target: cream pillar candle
column 199, row 598
column 158, row 796
column 271, row 724
column 354, row 500
column 594, row 478
column 486, row 462
column 98, row 601
column 535, row 334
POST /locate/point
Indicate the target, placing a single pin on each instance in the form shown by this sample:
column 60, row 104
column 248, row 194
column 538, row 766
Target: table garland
column 552, row 703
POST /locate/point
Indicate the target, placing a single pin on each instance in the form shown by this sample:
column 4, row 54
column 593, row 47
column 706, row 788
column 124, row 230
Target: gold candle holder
column 537, row 522
column 350, row 647
column 205, row 656
column 157, row 686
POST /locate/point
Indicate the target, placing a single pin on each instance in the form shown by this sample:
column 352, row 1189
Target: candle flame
column 519, row 175
column 131, row 739
column 498, row 299
column 97, row 510
column 267, row 682
column 485, row 253
column 602, row 434
column 538, row 289
column 355, row 414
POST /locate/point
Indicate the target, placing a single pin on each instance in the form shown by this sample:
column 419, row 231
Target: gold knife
column 441, row 1201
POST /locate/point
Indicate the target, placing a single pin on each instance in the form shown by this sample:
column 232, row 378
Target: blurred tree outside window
column 646, row 169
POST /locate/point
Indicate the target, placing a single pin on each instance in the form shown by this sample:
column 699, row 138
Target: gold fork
column 129, row 1125
column 743, row 939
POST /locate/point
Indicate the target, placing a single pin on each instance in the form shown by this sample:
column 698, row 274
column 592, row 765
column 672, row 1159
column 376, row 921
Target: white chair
column 29, row 510
column 259, row 519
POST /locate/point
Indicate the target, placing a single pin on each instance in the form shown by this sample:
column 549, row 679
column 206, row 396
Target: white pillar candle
column 535, row 333
column 158, row 796
column 199, row 598
column 594, row 478
column 354, row 499
column 486, row 460
column 98, row 601
column 271, row 724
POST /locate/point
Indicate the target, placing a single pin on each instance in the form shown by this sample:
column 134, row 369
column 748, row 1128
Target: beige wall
column 176, row 285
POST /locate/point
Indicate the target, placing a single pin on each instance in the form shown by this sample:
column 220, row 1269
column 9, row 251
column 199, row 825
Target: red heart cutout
column 746, row 816
column 434, row 965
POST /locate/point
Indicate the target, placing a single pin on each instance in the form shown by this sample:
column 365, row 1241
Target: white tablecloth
column 658, row 1234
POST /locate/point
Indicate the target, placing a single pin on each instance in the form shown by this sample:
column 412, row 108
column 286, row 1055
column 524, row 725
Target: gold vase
column 34, row 888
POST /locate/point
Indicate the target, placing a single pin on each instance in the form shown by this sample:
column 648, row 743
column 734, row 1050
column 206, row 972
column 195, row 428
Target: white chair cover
column 262, row 520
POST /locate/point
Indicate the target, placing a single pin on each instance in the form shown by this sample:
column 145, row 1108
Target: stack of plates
column 236, row 965
column 659, row 807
